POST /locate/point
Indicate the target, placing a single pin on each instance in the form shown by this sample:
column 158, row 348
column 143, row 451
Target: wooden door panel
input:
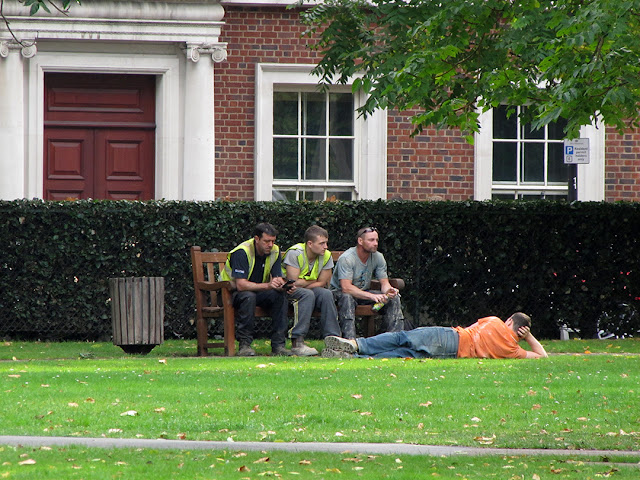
column 99, row 136
column 122, row 160
column 68, row 164
column 100, row 99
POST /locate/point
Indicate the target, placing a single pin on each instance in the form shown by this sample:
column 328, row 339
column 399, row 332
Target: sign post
column 576, row 152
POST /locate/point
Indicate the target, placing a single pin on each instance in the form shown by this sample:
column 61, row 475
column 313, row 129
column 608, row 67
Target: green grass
column 575, row 401
column 187, row 348
column 90, row 463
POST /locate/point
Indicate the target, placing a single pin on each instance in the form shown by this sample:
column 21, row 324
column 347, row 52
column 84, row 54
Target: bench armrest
column 395, row 283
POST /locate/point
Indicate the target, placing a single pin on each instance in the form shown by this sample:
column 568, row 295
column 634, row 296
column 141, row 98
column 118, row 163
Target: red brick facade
column 622, row 172
column 434, row 164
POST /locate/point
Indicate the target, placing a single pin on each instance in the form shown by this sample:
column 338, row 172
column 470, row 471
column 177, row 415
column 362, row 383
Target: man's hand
column 277, row 282
column 523, row 332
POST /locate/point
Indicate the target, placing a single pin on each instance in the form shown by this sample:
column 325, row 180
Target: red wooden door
column 99, row 135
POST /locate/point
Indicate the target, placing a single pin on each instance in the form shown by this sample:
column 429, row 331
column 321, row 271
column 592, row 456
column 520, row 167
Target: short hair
column 264, row 227
column 364, row 230
column 520, row 320
column 313, row 232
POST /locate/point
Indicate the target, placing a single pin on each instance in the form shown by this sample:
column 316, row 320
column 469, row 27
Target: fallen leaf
column 90, row 400
column 129, row 413
column 485, row 440
column 352, row 459
column 339, row 434
column 536, row 406
column 244, row 468
column 262, row 460
column 72, row 404
column 115, row 430
column 475, row 419
column 357, row 396
column 29, row 461
column 427, row 404
column 159, row 409
column 304, row 462
column 182, row 436
column 582, row 419
column 163, row 360
column 256, row 408
column 366, row 413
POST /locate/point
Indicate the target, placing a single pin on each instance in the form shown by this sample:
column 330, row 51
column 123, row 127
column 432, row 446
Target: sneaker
column 246, row 351
column 280, row 352
column 331, row 353
column 341, row 344
column 304, row 351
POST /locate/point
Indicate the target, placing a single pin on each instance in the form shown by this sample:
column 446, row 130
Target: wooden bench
column 214, row 301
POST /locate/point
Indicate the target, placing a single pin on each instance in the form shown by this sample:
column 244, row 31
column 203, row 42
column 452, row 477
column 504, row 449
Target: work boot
column 280, row 351
column 245, row 350
column 299, row 348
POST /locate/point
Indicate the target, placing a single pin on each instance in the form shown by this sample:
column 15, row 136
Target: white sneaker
column 341, row 344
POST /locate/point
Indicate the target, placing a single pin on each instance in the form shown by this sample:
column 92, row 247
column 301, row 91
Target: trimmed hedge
column 562, row 263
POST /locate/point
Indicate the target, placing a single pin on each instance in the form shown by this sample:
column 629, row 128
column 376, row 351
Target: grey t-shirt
column 291, row 258
column 351, row 268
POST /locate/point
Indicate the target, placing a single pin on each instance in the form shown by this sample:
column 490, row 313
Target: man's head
column 518, row 320
column 368, row 239
column 264, row 237
column 316, row 240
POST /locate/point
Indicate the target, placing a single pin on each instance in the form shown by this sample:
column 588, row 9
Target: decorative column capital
column 218, row 51
column 27, row 50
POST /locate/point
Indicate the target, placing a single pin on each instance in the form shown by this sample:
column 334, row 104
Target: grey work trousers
column 305, row 301
column 393, row 319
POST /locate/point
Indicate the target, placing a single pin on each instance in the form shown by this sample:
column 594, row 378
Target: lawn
column 585, row 399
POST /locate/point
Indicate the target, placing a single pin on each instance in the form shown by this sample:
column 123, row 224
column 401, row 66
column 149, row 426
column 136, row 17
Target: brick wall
column 622, row 166
column 434, row 164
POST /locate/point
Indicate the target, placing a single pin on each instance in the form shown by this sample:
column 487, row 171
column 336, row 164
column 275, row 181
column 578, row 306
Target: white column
column 12, row 122
column 199, row 146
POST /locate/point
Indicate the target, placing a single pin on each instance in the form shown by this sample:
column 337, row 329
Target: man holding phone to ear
column 309, row 266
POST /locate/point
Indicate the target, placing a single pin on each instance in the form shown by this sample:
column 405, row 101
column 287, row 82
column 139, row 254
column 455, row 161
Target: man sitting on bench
column 254, row 269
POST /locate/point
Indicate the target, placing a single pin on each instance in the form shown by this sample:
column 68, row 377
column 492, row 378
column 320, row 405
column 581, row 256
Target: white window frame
column 370, row 158
column 590, row 177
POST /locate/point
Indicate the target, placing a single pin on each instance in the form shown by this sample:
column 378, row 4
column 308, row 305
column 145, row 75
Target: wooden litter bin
column 137, row 313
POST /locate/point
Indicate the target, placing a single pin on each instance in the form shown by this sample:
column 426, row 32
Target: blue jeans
column 422, row 342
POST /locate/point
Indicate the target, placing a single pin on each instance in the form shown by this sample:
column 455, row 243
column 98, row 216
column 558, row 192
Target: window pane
column 285, row 113
column 340, row 159
column 285, row 158
column 503, row 196
column 533, row 162
column 504, row 127
column 312, row 195
column 314, row 159
column 314, row 113
column 556, row 130
column 283, row 195
column 557, row 170
column 527, row 132
column 504, row 162
column 341, row 114
column 347, row 195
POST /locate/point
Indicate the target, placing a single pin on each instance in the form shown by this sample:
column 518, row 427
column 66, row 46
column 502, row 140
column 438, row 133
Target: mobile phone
column 287, row 286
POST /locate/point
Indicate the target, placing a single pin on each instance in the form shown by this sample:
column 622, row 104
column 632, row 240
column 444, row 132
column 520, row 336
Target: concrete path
column 363, row 448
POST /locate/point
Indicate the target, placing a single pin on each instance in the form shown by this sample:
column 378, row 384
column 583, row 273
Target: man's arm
column 243, row 284
column 386, row 288
column 537, row 350
column 348, row 287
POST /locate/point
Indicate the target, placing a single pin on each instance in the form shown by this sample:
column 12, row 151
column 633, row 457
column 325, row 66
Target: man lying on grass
column 489, row 337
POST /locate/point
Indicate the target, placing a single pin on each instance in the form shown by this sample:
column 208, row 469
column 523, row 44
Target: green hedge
column 562, row 263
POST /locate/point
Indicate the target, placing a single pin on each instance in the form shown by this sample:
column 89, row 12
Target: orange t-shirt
column 489, row 337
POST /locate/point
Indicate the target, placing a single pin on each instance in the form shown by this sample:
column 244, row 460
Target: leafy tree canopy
column 446, row 60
